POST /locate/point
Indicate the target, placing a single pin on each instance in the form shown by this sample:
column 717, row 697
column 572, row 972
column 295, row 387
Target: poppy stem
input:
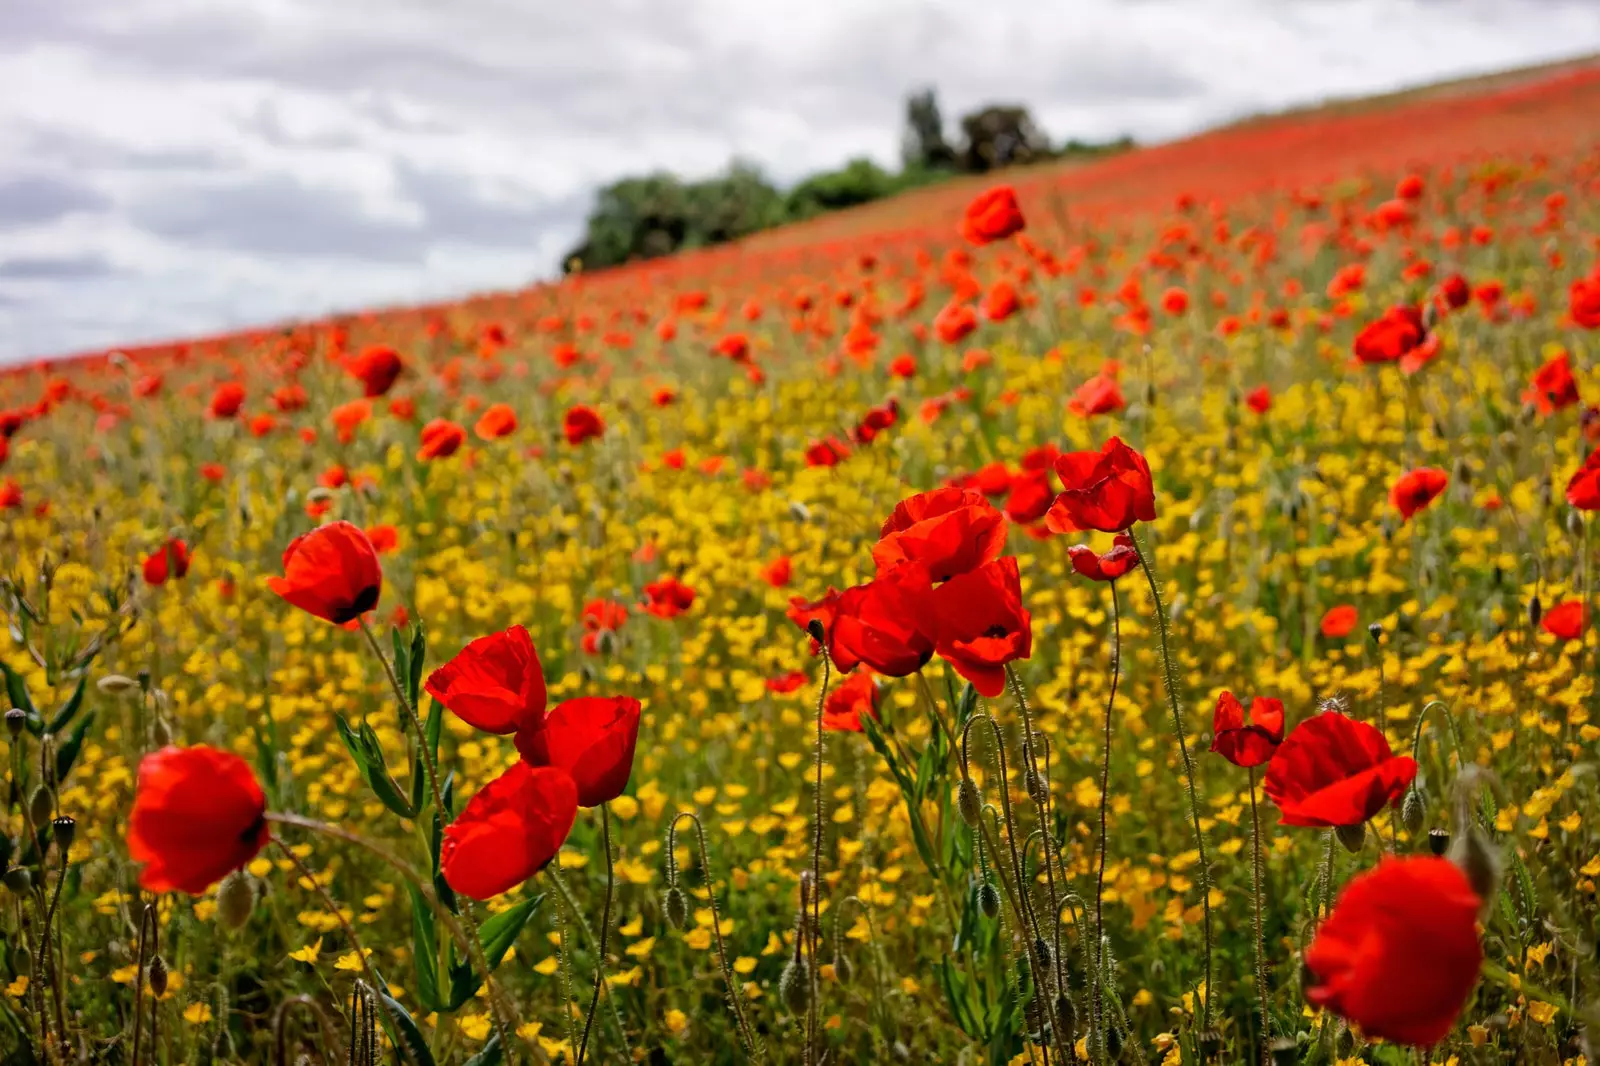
column 474, row 948
column 1171, row 679
column 1097, row 1004
column 814, row 931
column 605, row 931
column 1256, row 877
column 735, row 989
column 149, row 939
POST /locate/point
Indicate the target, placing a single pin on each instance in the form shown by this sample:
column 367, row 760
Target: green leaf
column 498, row 933
column 368, row 755
column 17, row 691
column 489, row 1056
column 413, row 680
column 967, row 707
column 434, row 728
column 425, row 946
column 68, row 709
column 442, row 887
column 408, row 1030
column 402, row 657
column 67, row 751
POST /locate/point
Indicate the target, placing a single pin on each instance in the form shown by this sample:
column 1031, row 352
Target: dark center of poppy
column 996, row 630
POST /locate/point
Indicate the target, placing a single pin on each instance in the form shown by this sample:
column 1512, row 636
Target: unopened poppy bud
column 1113, row 1042
column 63, row 831
column 843, row 970
column 1535, row 611
column 1285, row 1052
column 989, row 900
column 236, row 898
column 161, row 733
column 16, row 718
column 676, row 906
column 1210, row 1044
column 1066, row 1016
column 1476, row 857
column 1037, row 791
column 18, row 880
column 1352, row 836
column 1375, row 631
column 1041, row 947
column 969, row 802
column 794, row 985
column 1438, row 841
column 144, row 680
column 116, row 684
column 158, row 976
column 41, row 806
column 1413, row 810
column 814, row 628
column 799, row 511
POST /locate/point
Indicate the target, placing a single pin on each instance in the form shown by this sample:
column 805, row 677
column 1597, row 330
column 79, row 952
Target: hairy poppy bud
column 1352, row 836
column 843, row 971
column 1535, row 612
column 1037, row 790
column 969, row 802
column 16, row 718
column 1574, row 523
column 1476, row 857
column 1210, row 1044
column 1285, row 1052
column 158, row 976
column 1413, row 810
column 41, row 806
column 236, row 898
column 1041, row 947
column 18, row 880
column 794, row 985
column 814, row 628
column 1066, row 1016
column 989, row 900
column 676, row 907
column 161, row 733
column 1438, row 841
column 63, row 831
column 116, row 684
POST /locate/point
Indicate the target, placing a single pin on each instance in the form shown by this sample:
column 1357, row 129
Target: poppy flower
column 876, row 623
column 903, row 366
column 1335, row 771
column 441, row 439
column 979, row 624
column 331, row 572
column 499, row 420
column 778, row 572
column 10, row 495
column 993, row 215
column 198, row 815
column 1338, row 621
column 1583, row 302
column 376, row 368
column 1399, row 335
column 668, row 598
column 1259, row 399
column 1454, row 292
column 1174, row 301
column 1122, row 557
column 495, row 683
column 949, row 531
column 1100, row 395
column 830, row 452
column 384, row 539
column 1399, row 953
column 592, row 738
column 1001, row 301
column 1583, row 489
column 1565, row 621
column 1553, row 386
column 1246, row 744
column 1030, row 496
column 851, row 698
column 172, row 560
column 784, row 684
column 1416, row 489
column 509, row 830
column 954, row 322
column 1108, row 490
column 581, row 423
column 227, row 400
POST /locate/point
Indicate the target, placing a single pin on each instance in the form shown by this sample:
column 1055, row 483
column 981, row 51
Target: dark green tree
column 1000, row 135
column 923, row 145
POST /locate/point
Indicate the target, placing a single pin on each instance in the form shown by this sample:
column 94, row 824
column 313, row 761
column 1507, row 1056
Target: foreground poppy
column 1246, row 744
column 1399, row 953
column 495, row 683
column 172, row 560
column 1108, row 490
column 198, row 815
column 993, row 215
column 855, row 696
column 979, row 624
column 509, row 831
column 1335, row 771
column 331, row 572
column 877, row 623
column 593, row 739
column 1416, row 489
column 949, row 531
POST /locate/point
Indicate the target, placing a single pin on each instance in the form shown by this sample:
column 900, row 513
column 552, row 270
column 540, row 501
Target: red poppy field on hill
column 1128, row 612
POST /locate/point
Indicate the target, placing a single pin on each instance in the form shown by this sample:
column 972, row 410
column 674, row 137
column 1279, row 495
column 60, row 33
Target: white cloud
column 180, row 167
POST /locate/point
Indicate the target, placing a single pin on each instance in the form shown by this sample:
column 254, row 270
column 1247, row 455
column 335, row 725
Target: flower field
column 1134, row 612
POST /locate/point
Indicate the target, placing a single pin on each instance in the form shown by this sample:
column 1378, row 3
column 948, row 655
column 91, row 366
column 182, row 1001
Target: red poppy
column 10, row 496
column 875, row 623
column 290, row 398
column 668, row 598
column 581, row 423
column 1001, row 301
column 830, row 452
column 1416, row 489
column 954, row 322
column 1398, row 337
column 1259, row 399
column 495, row 683
column 1583, row 302
column 778, row 572
column 1335, row 771
column 1583, row 489
column 600, row 615
column 1122, row 557
column 592, row 738
column 1174, row 301
column 1108, row 490
column 784, row 684
column 1553, row 386
column 1246, row 744
column 1454, row 292
column 331, row 572
column 384, row 539
column 509, row 830
column 993, row 215
column 499, row 420
column 1565, row 621
column 227, row 400
column 1339, row 621
column 851, row 698
column 1399, row 954
column 1030, row 496
column 198, row 815
column 171, row 561
column 376, row 367
column 979, row 623
column 949, row 531
column 1099, row 395
column 903, row 366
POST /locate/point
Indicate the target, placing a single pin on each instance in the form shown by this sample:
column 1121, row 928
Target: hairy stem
column 605, row 932
column 1096, row 1005
column 1256, row 877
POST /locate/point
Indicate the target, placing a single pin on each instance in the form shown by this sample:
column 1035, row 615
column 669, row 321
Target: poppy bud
column 1574, row 523
column 989, row 900
column 63, row 830
column 1352, row 836
column 1066, row 1016
column 1438, row 841
column 21, row 959
column 158, row 976
column 814, row 628
column 676, row 907
column 116, row 684
column 161, row 733
column 1041, row 948
column 18, row 880
column 236, row 898
column 1285, row 1052
column 1037, row 790
column 1463, row 472
column 1413, row 810
column 41, row 806
column 969, row 802
column 842, row 969
column 794, row 985
column 16, row 718
column 1472, row 852
column 1375, row 631
column 1535, row 611
column 1210, row 1044
column 1113, row 1042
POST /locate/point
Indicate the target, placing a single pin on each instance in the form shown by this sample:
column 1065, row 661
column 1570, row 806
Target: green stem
column 605, row 932
column 1256, row 878
column 1096, row 1005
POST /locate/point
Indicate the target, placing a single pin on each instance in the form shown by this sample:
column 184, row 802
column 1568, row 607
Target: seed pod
column 1413, row 811
column 63, row 831
column 18, row 880
column 116, row 684
column 158, row 976
column 16, row 718
column 794, row 985
column 1535, row 611
column 1438, row 841
column 41, row 806
column 843, row 969
column 236, row 898
column 1375, row 631
column 969, row 801
column 989, row 900
column 1352, row 836
column 676, row 907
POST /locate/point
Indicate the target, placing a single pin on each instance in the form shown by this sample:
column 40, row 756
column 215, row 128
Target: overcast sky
column 169, row 167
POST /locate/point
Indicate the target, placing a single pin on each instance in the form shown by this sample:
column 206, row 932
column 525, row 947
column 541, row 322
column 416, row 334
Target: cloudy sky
column 170, row 167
